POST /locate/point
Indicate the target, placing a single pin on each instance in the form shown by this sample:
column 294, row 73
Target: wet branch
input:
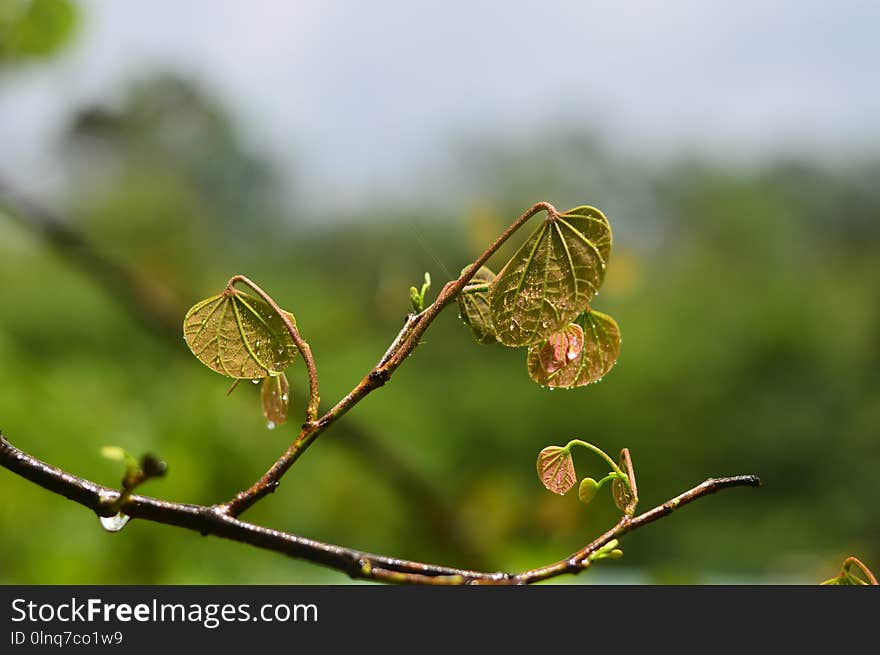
column 214, row 520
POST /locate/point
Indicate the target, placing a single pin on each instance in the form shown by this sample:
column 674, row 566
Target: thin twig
column 357, row 564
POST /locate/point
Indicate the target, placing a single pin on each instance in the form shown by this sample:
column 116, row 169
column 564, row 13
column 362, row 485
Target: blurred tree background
column 748, row 299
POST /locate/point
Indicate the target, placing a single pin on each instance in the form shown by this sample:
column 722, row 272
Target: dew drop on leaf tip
column 114, row 523
column 270, row 425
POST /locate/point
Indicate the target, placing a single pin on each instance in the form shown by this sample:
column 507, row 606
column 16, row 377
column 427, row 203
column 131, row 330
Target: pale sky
column 366, row 94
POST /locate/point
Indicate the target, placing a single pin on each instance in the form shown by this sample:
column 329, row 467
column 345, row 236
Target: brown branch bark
column 214, row 520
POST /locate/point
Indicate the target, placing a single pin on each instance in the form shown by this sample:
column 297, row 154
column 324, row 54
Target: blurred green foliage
column 34, row 28
column 747, row 300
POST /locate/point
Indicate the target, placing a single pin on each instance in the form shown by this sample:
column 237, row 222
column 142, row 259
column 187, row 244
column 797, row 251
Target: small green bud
column 114, row 453
column 153, row 467
column 587, row 490
column 615, row 554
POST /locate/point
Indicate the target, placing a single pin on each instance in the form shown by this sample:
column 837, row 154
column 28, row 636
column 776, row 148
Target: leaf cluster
column 541, row 299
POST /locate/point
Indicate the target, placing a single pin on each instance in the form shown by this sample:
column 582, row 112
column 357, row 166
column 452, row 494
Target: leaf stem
column 601, row 453
column 607, row 478
column 301, row 344
column 857, row 563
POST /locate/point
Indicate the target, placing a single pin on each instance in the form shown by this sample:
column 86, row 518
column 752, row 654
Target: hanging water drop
column 270, row 425
column 256, row 380
column 114, row 523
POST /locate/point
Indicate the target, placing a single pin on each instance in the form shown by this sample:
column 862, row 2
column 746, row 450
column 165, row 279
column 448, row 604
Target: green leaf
column 551, row 278
column 556, row 469
column 239, row 336
column 587, row 490
column 276, row 399
column 581, row 353
column 473, row 307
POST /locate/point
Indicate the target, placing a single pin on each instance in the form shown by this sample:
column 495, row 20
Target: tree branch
column 215, row 520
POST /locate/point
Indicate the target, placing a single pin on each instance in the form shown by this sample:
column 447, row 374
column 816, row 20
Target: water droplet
column 257, row 343
column 256, row 380
column 270, row 425
column 572, row 355
column 114, row 523
column 512, row 326
column 284, row 397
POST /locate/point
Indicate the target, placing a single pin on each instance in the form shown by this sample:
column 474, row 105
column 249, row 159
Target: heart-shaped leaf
column 556, row 469
column 276, row 399
column 581, row 353
column 238, row 336
column 474, row 307
column 551, row 278
column 625, row 497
